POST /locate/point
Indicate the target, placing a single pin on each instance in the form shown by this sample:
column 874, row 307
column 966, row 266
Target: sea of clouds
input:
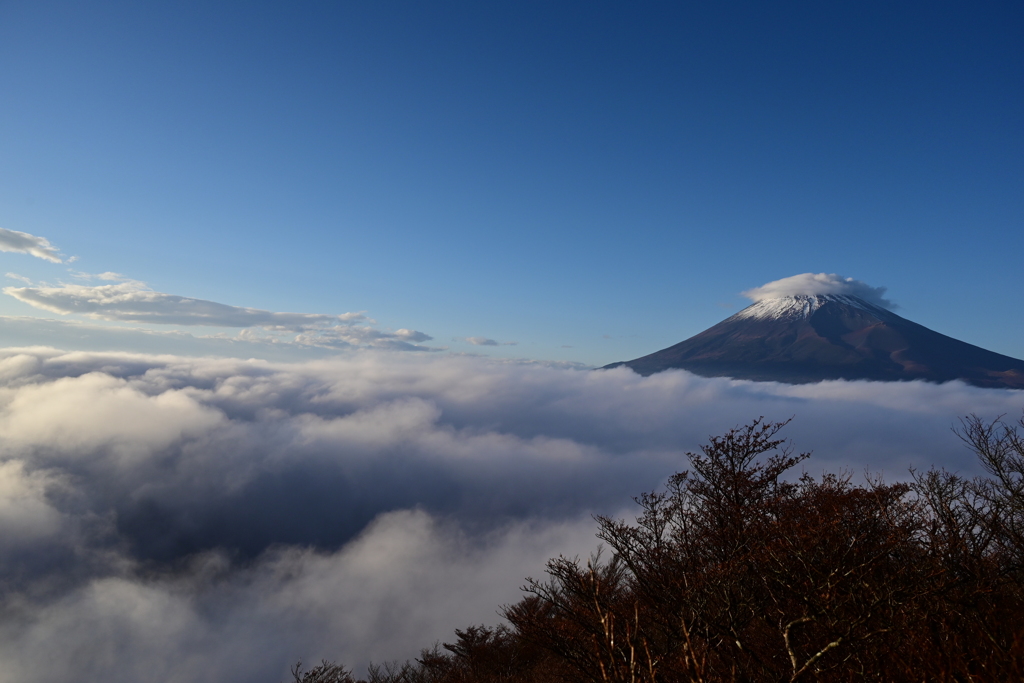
column 188, row 519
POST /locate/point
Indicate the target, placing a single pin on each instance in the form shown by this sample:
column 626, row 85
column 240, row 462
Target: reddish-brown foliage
column 735, row 574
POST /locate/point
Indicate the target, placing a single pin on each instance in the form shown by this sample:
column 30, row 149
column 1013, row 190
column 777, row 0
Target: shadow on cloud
column 215, row 519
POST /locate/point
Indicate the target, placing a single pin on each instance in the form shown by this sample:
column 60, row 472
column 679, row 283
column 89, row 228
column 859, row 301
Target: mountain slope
column 809, row 338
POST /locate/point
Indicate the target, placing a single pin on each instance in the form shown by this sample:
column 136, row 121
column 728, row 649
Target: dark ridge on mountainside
column 809, row 338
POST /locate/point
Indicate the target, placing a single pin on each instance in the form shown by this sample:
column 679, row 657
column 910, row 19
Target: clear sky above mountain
column 592, row 181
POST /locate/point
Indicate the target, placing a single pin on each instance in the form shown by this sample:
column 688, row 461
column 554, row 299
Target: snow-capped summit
column 814, row 327
column 801, row 306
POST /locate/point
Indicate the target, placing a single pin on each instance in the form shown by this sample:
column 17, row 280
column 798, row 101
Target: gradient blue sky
column 593, row 181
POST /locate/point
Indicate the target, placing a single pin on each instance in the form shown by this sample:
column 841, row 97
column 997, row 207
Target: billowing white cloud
column 819, row 283
column 80, row 414
column 369, row 504
column 22, row 242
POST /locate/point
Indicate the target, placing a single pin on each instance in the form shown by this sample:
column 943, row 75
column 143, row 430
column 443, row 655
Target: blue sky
column 592, row 181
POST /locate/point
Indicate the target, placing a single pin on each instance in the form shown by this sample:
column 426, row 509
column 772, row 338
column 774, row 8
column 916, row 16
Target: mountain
column 812, row 337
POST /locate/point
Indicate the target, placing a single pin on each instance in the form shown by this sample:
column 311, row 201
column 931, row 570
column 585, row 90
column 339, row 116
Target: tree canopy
column 735, row 572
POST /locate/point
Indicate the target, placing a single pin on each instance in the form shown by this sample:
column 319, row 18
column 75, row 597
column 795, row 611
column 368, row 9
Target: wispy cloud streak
column 132, row 301
column 484, row 341
column 24, row 243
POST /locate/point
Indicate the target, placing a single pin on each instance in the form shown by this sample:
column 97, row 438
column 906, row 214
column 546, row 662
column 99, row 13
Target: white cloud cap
column 810, row 284
column 24, row 243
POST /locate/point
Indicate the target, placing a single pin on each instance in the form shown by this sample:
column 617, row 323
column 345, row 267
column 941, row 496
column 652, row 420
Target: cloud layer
column 126, row 300
column 199, row 519
column 22, row 242
column 133, row 302
column 819, row 283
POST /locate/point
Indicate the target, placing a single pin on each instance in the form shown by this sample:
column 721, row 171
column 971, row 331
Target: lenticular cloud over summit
column 812, row 284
